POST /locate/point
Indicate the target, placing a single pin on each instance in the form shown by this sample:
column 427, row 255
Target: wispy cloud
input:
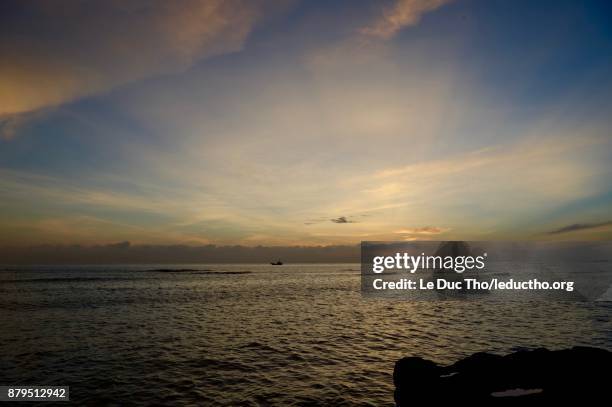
column 402, row 14
column 426, row 230
column 59, row 52
column 580, row 226
column 421, row 233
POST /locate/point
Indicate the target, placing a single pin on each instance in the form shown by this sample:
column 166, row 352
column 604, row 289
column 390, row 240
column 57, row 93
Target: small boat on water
column 277, row 263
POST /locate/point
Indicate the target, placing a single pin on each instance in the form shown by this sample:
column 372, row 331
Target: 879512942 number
column 34, row 393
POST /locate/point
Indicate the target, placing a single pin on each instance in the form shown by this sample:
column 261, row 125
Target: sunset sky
column 304, row 122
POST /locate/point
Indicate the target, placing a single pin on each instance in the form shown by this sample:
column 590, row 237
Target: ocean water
column 249, row 334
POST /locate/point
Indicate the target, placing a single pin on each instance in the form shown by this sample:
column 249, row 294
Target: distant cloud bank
column 125, row 253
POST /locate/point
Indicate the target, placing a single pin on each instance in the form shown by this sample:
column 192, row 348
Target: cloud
column 402, row 14
column 53, row 53
column 484, row 192
column 579, row 226
column 547, row 169
column 342, row 219
column 426, row 230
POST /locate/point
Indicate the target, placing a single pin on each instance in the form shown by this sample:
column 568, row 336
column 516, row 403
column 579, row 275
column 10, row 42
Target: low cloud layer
column 426, row 230
column 580, row 226
column 124, row 252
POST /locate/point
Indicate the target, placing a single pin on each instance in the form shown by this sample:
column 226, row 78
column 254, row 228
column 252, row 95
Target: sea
column 251, row 335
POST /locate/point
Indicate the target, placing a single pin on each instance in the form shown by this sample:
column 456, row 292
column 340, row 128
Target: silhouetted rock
column 579, row 374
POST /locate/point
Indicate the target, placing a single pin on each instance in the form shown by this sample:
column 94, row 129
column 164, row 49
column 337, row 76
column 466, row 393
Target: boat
column 277, row 263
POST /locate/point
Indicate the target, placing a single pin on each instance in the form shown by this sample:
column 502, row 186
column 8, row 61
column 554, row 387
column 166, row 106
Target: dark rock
column 581, row 375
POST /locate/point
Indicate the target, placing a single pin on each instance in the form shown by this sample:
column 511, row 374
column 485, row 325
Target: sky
column 304, row 123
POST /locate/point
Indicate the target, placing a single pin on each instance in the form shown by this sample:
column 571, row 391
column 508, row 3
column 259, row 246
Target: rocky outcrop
column 580, row 374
